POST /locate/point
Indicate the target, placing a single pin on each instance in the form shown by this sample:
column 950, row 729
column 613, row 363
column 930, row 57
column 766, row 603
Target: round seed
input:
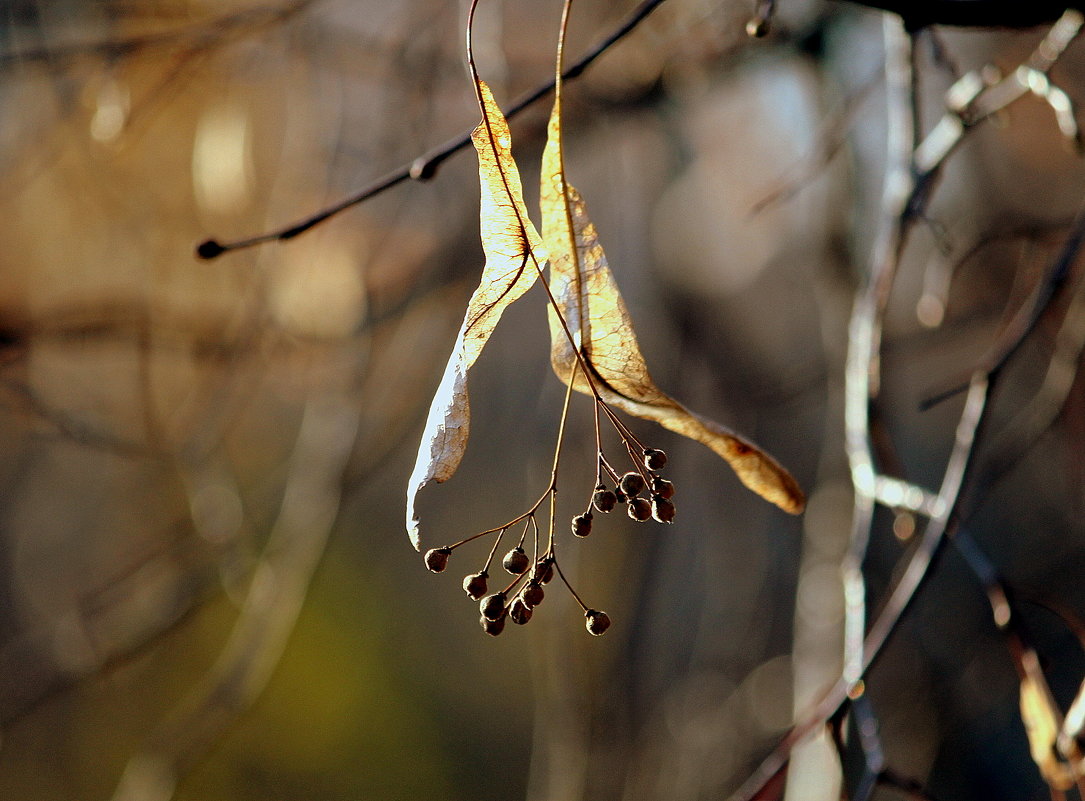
column 639, row 509
column 516, row 561
column 662, row 509
column 662, row 487
column 437, row 559
column 604, row 500
column 520, row 612
column 654, row 459
column 596, row 622
column 631, row 484
column 475, row 584
column 533, row 594
column 493, row 606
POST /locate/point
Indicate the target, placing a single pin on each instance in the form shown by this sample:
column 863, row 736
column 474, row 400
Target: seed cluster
column 628, row 489
column 525, row 592
column 643, row 492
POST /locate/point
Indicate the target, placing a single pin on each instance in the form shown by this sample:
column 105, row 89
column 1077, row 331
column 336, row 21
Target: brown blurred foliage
column 206, row 587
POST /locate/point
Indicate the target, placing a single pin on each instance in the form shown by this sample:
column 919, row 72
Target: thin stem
column 583, row 605
column 598, row 448
column 512, row 585
column 425, row 167
column 504, row 526
column 614, row 476
column 561, row 426
column 493, row 550
column 623, row 430
column 535, row 539
column 523, row 534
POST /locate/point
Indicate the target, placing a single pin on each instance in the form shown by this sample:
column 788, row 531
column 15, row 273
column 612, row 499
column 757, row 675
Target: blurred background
column 206, row 591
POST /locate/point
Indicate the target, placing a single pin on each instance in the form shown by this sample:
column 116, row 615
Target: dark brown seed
column 631, row 484
column 516, row 561
column 596, row 622
column 475, row 584
column 619, row 496
column 604, row 500
column 639, row 509
column 662, row 488
column 544, row 571
column 654, row 459
column 533, row 593
column 582, row 525
column 493, row 606
column 662, row 509
column 520, row 612
column 437, row 559
column 492, row 627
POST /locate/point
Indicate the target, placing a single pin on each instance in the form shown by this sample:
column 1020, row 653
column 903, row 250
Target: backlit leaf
column 1072, row 728
column 597, row 319
column 513, row 256
column 1040, row 717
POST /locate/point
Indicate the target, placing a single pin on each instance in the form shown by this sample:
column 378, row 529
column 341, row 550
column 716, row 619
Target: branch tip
column 210, row 249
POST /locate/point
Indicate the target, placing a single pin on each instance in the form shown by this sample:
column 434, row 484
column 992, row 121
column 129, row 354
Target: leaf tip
column 412, row 515
column 760, row 472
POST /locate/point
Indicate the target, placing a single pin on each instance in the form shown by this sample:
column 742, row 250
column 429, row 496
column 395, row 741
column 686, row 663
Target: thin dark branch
column 203, row 34
column 1022, row 323
column 830, row 141
column 425, row 166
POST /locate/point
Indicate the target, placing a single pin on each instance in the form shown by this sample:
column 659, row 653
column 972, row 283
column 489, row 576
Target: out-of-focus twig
column 862, row 367
column 906, row 190
column 978, row 95
column 1042, row 409
column 829, row 142
column 200, row 36
column 278, row 588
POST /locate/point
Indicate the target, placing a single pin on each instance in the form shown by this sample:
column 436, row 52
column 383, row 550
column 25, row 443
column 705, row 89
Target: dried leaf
column 1040, row 717
column 597, row 319
column 513, row 256
column 1073, row 726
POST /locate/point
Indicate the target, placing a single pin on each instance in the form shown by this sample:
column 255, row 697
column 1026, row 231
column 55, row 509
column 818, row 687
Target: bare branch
column 425, row 166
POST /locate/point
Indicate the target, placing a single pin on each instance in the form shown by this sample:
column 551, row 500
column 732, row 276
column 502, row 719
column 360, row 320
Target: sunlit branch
column 907, row 191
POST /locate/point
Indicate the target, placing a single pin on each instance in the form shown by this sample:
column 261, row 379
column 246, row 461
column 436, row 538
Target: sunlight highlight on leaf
column 514, row 255
column 1072, row 728
column 1040, row 717
column 589, row 300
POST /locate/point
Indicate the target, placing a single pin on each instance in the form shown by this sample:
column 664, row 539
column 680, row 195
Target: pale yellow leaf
column 514, row 254
column 597, row 319
column 1073, row 727
column 1040, row 717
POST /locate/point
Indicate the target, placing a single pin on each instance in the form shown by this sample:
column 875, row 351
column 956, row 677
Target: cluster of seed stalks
column 642, row 490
